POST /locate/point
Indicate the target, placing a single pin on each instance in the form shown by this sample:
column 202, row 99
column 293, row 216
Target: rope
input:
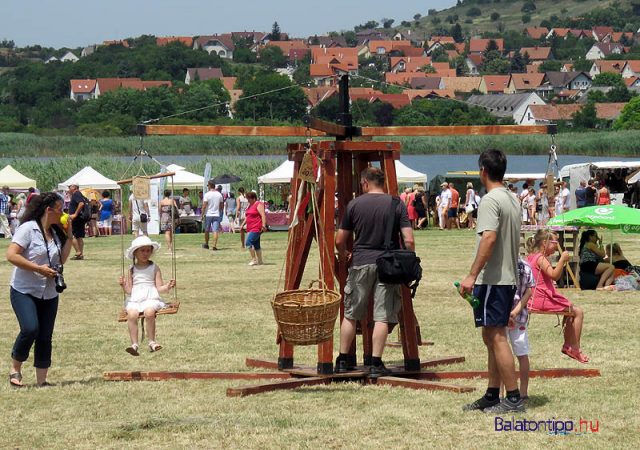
column 149, row 121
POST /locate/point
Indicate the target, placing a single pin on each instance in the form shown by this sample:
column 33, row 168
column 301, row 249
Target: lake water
column 434, row 165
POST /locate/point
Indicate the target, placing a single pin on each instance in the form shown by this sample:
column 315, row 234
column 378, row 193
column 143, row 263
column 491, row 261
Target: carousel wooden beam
column 224, row 130
column 162, row 376
column 459, row 130
column 151, row 177
column 276, row 386
column 330, row 128
column 423, row 384
column 540, row 373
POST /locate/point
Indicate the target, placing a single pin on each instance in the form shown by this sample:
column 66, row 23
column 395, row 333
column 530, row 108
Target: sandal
column 132, row 350
column 77, row 257
column 15, row 380
column 46, row 384
column 575, row 354
column 154, row 346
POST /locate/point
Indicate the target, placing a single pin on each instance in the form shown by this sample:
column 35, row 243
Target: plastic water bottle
column 470, row 298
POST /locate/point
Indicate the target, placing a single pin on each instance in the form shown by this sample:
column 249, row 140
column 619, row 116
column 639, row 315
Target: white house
column 221, row 45
column 51, row 59
column 69, row 57
column 631, row 69
column 82, row 89
column 601, row 50
column 507, row 105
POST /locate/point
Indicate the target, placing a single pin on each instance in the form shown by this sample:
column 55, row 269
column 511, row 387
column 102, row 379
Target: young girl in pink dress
column 545, row 296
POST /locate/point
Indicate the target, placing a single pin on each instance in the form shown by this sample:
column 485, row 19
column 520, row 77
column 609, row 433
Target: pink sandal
column 575, row 354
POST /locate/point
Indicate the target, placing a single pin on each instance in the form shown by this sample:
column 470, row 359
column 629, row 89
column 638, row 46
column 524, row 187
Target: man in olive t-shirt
column 492, row 278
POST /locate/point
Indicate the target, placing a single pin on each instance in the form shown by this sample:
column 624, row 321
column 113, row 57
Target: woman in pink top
column 411, row 209
column 545, row 296
column 256, row 223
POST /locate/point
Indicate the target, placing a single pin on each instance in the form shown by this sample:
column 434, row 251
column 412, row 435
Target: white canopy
column 15, row 180
column 89, row 178
column 513, row 177
column 564, row 172
column 405, row 174
column 284, row 172
column 183, row 178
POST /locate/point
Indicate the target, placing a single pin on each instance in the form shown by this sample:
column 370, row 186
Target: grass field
column 226, row 317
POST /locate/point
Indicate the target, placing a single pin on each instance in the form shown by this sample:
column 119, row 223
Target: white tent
column 281, row 174
column 405, row 174
column 15, row 180
column 183, row 178
column 89, row 178
column 284, row 172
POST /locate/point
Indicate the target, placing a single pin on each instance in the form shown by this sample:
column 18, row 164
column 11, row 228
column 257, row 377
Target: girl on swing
column 545, row 296
column 143, row 286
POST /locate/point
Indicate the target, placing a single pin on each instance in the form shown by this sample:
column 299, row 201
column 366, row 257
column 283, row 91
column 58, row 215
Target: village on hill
column 577, row 77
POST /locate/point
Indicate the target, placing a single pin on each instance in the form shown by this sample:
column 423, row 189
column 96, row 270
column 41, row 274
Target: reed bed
column 602, row 143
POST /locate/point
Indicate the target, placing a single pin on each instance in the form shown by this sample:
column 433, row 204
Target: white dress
column 143, row 292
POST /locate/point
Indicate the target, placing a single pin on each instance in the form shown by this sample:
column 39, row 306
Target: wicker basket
column 306, row 316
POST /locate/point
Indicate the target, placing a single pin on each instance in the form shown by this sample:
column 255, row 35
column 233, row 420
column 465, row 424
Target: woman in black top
column 590, row 195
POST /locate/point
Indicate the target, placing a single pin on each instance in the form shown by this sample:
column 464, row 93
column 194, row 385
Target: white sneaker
column 253, row 263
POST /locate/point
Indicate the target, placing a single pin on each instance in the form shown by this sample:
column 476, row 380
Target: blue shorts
column 212, row 223
column 253, row 240
column 495, row 306
column 452, row 212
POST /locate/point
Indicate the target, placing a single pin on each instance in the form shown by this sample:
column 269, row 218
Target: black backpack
column 85, row 214
column 400, row 266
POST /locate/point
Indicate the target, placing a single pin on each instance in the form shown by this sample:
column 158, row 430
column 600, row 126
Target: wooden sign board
column 141, row 188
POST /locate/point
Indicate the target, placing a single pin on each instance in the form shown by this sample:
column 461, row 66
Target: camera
column 59, row 279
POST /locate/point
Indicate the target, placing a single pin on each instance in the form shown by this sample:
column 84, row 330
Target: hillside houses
column 92, row 88
column 513, row 106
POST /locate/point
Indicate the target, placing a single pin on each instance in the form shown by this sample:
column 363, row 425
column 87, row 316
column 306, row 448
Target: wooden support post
column 326, row 242
column 345, row 194
column 406, row 316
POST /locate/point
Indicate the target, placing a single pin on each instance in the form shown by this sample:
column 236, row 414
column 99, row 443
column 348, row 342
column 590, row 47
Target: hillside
column 510, row 14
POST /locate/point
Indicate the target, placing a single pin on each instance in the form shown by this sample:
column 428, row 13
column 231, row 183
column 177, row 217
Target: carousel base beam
column 422, row 385
column 163, row 376
column 276, row 386
column 539, row 373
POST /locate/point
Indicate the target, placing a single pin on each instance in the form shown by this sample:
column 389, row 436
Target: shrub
column 494, row 16
column 474, row 12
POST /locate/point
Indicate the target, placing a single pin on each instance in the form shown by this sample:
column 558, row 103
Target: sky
column 67, row 23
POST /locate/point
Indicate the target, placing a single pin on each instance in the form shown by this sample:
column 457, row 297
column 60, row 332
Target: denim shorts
column 213, row 223
column 253, row 240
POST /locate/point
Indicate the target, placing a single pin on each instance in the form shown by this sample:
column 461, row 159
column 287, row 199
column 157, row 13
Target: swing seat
column 171, row 308
column 555, row 313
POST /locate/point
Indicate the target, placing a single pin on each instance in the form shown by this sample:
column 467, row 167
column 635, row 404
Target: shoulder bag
column 400, row 266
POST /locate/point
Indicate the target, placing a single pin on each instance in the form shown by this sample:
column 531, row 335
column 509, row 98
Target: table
column 277, row 221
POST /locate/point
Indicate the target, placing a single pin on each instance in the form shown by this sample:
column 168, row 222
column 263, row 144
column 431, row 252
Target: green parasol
column 604, row 216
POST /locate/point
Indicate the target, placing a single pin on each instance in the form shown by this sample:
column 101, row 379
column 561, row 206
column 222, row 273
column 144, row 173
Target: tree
column 582, row 65
column 518, row 63
column 619, row 94
column 272, row 57
column 203, row 94
column 417, row 17
column 528, row 7
column 495, row 16
column 287, row 104
column 492, row 46
column 526, row 18
column 275, row 32
column 456, row 33
column 386, row 23
column 629, row 119
column 586, row 117
column 301, row 75
column 244, row 55
column 474, row 12
column 550, row 66
column 383, row 113
column 351, row 38
column 608, row 79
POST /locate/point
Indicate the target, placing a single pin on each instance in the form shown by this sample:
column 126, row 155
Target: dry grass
column 226, row 317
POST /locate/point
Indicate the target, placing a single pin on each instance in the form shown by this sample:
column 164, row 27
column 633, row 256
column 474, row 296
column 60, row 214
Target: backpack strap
column 390, row 223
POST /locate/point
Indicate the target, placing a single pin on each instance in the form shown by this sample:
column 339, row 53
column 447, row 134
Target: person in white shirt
column 212, row 209
column 138, row 215
column 444, row 205
column 565, row 194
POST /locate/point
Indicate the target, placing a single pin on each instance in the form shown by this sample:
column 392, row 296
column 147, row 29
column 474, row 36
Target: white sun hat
column 141, row 241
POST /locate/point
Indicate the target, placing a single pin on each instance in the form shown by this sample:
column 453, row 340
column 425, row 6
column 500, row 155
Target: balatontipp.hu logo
column 549, row 426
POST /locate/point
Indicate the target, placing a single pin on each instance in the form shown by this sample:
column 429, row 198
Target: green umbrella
column 603, row 216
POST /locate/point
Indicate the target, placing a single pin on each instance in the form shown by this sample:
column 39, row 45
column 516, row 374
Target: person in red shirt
column 453, row 210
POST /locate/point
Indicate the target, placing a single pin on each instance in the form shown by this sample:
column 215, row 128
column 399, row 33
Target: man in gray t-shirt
column 366, row 217
column 492, row 279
